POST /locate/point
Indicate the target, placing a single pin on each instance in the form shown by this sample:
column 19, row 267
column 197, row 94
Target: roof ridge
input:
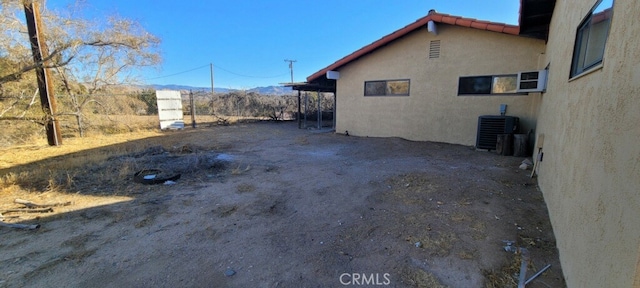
column 431, row 16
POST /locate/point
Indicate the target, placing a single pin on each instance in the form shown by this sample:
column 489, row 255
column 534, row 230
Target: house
column 432, row 79
column 590, row 119
column 406, row 84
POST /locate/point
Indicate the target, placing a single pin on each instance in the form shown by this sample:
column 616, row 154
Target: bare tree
column 89, row 57
column 106, row 62
column 15, row 46
column 17, row 98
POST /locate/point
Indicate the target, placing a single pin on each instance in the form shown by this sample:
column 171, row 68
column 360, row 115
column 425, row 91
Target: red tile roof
column 436, row 17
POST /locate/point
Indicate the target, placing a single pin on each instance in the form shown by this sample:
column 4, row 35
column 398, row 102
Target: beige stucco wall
column 434, row 111
column 590, row 173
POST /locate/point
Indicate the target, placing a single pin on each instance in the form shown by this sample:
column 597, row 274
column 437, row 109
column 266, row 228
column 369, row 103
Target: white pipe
column 431, row 27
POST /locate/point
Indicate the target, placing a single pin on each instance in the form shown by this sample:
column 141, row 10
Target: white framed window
column 591, row 38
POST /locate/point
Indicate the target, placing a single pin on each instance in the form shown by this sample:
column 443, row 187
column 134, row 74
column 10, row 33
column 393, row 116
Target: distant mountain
column 272, row 90
column 269, row 90
column 185, row 87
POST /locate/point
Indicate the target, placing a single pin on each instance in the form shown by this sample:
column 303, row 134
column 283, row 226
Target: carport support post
column 299, row 114
column 306, row 106
column 319, row 111
column 335, row 102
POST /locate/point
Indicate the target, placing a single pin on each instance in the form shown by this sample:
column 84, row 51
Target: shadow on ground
column 270, row 205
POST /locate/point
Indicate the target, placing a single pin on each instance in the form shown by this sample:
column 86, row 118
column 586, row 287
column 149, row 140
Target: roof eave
column 535, row 18
column 432, row 16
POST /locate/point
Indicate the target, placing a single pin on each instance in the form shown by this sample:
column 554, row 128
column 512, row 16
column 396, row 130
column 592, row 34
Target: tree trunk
column 80, row 124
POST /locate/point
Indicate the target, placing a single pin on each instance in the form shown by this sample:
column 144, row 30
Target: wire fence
column 129, row 112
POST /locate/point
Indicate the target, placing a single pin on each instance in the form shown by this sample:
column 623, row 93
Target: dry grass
column 422, row 279
column 506, row 276
column 239, row 170
column 144, row 222
column 460, row 217
column 466, row 255
column 243, row 188
column 39, row 150
column 302, row 140
column 464, row 202
column 77, row 242
column 213, row 120
column 436, row 243
column 412, row 189
column 226, row 210
column 101, row 164
column 64, row 168
column 479, row 230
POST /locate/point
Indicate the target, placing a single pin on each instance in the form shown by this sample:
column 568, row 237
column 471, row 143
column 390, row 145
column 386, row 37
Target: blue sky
column 248, row 40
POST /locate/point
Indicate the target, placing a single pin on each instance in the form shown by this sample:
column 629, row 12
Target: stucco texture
column 433, row 111
column 590, row 173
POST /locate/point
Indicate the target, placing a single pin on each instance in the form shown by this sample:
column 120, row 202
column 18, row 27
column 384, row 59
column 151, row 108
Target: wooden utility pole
column 290, row 67
column 211, row 68
column 213, row 94
column 40, row 52
column 192, row 107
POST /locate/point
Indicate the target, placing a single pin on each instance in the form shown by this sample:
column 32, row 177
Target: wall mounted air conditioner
column 532, row 81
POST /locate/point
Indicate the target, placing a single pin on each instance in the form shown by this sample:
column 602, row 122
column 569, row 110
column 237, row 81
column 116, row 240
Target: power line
column 165, row 76
column 221, row 68
column 248, row 76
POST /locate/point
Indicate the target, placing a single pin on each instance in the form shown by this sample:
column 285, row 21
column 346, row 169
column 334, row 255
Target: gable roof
column 432, row 16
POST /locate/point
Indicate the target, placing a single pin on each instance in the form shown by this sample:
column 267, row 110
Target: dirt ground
column 270, row 205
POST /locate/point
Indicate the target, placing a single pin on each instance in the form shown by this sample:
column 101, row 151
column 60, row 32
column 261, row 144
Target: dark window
column 486, row 85
column 374, row 88
column 386, row 88
column 475, row 85
column 591, row 37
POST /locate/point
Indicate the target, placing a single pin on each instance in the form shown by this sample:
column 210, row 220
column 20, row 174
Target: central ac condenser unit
column 489, row 127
